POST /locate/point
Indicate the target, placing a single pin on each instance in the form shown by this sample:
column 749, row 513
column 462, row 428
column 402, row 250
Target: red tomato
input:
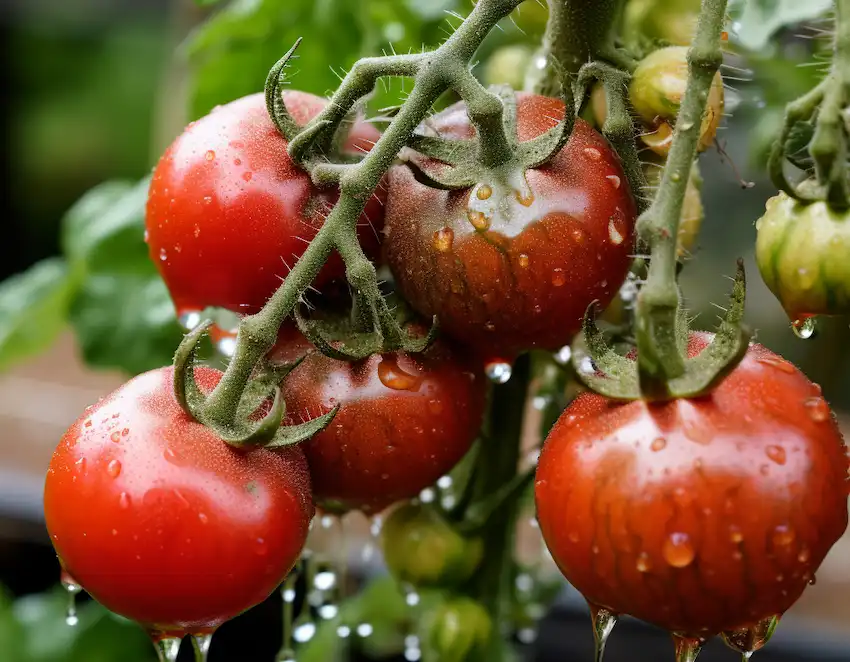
column 229, row 213
column 504, row 269
column 698, row 515
column 164, row 523
column 404, row 421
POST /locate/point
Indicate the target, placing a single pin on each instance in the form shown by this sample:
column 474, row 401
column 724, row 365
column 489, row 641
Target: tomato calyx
column 268, row 431
column 495, row 157
column 622, row 378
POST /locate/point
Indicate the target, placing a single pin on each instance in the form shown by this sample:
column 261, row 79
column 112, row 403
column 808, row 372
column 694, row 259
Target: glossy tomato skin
column 404, row 421
column 526, row 280
column 229, row 213
column 698, row 515
column 164, row 523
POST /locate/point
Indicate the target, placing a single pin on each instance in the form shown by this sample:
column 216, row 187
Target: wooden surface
column 40, row 399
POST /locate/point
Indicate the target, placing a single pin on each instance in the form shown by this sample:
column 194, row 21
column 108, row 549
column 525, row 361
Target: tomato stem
column 660, row 326
column 434, row 73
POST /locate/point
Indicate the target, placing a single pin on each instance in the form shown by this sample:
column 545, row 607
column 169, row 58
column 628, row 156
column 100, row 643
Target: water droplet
column 207, row 200
column 783, row 535
column 73, row 589
column 167, row 648
column 197, row 231
column 559, row 277
column 616, row 231
column 747, row 640
column 644, row 563
column 114, row 469
column 817, row 409
column 564, row 355
column 776, row 453
column 189, row 319
column 778, row 363
column 394, row 377
column 804, row 327
column 603, row 622
column 124, row 500
column 592, row 153
column 201, row 644
column 614, row 180
column 443, row 240
column 525, row 198
column 735, row 534
column 210, row 155
column 804, row 555
column 658, row 444
column 163, row 254
column 247, row 176
column 687, row 648
column 479, row 220
column 523, row 260
column 484, row 192
column 498, row 372
column 678, row 550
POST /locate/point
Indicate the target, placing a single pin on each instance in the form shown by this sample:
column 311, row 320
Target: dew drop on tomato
column 751, row 638
column 603, row 622
column 523, row 260
column 210, row 155
column 643, row 563
column 658, row 444
column 124, row 500
column 114, row 469
column 394, row 377
column 115, row 437
column 483, row 192
column 443, row 239
column 783, row 535
column 817, row 409
column 778, row 363
column 616, row 228
column 776, row 453
column 498, row 371
column 678, row 550
column 736, row 535
column 614, row 180
column 559, row 277
column 479, row 220
column 592, row 153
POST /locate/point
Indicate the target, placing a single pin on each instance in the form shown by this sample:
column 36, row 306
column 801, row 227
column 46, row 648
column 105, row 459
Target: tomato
column 508, row 66
column 404, row 420
column 802, row 252
column 457, row 631
column 421, row 548
column 164, row 523
column 672, row 21
column 229, row 213
column 698, row 515
column 656, row 92
column 507, row 270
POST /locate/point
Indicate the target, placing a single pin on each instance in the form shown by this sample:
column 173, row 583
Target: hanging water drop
column 167, row 648
column 687, row 648
column 804, row 327
column 498, row 372
column 201, row 645
column 747, row 640
column 73, row 589
column 603, row 624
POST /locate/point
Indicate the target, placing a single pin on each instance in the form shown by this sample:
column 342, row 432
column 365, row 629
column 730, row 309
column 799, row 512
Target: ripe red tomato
column 507, row 270
column 404, row 421
column 229, row 213
column 164, row 523
column 698, row 515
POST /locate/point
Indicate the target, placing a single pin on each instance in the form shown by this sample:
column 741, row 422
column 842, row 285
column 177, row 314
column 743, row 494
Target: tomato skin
column 229, row 213
column 802, row 252
column 457, row 631
column 404, row 421
column 164, row 523
column 527, row 280
column 697, row 515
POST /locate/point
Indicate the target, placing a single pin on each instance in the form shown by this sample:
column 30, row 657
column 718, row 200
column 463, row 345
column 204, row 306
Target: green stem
column 434, row 74
column 578, row 31
column 498, row 462
column 660, row 348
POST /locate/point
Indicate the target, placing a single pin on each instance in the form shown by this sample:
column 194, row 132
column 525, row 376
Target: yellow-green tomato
column 803, row 254
column 656, row 92
column 508, row 66
column 670, row 21
column 457, row 631
column 693, row 212
column 421, row 548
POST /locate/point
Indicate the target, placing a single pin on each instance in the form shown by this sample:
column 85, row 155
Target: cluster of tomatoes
column 701, row 515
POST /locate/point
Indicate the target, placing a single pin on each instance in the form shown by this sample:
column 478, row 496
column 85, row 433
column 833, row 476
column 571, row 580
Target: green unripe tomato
column 508, row 66
column 421, row 548
column 669, row 21
column 656, row 92
column 457, row 631
column 803, row 254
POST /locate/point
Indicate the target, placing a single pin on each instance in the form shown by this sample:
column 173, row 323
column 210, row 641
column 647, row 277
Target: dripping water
column 747, row 640
column 603, row 622
column 201, row 646
column 73, row 589
column 687, row 648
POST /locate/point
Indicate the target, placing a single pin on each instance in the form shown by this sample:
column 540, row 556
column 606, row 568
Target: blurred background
column 95, row 89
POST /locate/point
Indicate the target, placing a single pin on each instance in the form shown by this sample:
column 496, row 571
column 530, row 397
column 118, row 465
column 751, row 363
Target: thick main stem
column 660, row 356
column 257, row 333
column 497, row 465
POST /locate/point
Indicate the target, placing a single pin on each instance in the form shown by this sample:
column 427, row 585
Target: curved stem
column 435, row 73
column 660, row 347
column 486, row 113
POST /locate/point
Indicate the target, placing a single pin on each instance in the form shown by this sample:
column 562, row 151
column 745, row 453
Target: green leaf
column 33, row 309
column 122, row 313
column 759, row 20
